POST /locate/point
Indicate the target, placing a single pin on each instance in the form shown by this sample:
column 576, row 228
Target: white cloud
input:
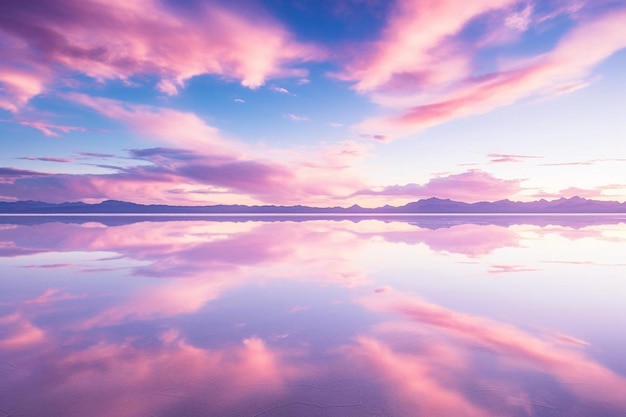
column 280, row 90
column 296, row 118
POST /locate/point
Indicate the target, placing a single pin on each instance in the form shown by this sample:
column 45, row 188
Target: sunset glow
column 320, row 103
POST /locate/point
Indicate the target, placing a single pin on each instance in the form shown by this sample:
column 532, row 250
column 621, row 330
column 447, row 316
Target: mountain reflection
column 316, row 318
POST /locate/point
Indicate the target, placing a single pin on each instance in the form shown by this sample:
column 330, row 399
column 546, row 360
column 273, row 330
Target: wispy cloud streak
column 427, row 71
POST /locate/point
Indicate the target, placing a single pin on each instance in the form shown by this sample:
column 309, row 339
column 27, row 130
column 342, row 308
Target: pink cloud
column 437, row 81
column 583, row 231
column 379, row 138
column 615, row 192
column 183, row 129
column 119, row 40
column 336, row 157
column 571, row 192
column 567, row 339
column 584, row 263
column 53, row 295
column 506, row 268
column 470, row 186
column 468, row 239
column 423, row 28
column 18, row 85
column 19, row 333
column 574, row 163
column 50, row 129
column 414, row 386
column 172, row 376
column 587, row 162
column 171, row 299
column 502, row 337
column 496, row 158
column 54, row 188
column 570, row 88
column 556, row 356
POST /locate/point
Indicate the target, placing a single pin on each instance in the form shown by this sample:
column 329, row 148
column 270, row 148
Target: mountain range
column 426, row 206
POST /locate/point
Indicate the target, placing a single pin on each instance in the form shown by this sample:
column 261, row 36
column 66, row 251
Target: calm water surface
column 428, row 316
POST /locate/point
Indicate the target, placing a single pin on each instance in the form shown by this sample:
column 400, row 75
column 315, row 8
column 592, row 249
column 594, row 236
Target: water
column 270, row 316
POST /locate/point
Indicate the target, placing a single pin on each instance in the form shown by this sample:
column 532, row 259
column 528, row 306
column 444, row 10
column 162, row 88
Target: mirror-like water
column 432, row 316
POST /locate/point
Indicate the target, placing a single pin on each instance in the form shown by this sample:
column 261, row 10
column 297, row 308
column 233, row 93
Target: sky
column 313, row 102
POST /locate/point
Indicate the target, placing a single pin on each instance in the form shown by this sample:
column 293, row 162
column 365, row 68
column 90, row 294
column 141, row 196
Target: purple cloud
column 14, row 172
column 47, row 159
column 470, row 186
column 96, row 154
column 169, row 166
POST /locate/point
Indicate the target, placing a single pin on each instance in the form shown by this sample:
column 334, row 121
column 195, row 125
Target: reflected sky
column 324, row 317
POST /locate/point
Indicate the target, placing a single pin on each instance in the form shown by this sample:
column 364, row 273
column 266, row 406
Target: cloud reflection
column 482, row 350
column 170, row 378
column 19, row 333
column 261, row 318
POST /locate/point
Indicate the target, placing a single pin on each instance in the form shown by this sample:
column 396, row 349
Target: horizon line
column 260, row 214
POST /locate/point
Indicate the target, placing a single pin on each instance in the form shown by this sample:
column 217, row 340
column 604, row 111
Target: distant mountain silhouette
column 430, row 206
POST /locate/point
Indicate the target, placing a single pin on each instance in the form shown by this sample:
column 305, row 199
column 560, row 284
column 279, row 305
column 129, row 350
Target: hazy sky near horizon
column 317, row 102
